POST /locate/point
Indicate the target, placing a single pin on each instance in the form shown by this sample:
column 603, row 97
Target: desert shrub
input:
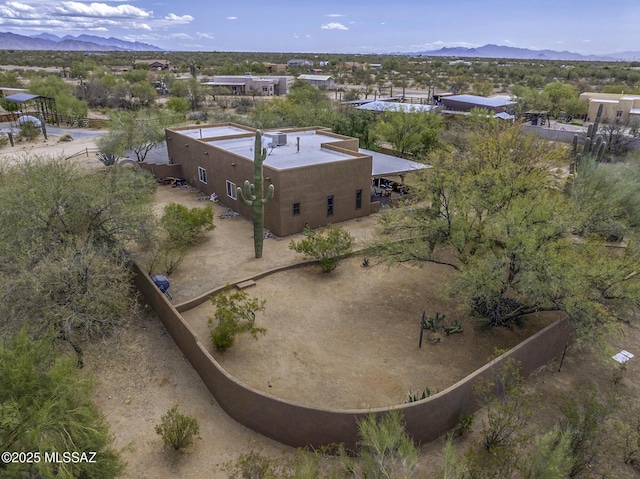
column 65, row 137
column 385, row 450
column 177, row 429
column 235, row 313
column 254, row 465
column 178, row 105
column 508, row 406
column 186, row 226
column 327, row 245
column 4, row 140
column 181, row 228
column 585, row 413
column 29, row 131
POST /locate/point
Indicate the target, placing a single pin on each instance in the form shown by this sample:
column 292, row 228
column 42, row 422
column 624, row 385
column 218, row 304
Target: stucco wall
column 308, row 185
column 297, row 425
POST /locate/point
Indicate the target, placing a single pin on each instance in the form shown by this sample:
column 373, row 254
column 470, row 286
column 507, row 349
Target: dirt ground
column 310, row 353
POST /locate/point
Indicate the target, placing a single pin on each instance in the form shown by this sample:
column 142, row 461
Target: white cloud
column 308, row 36
column 206, row 36
column 508, row 42
column 334, row 15
column 172, row 17
column 334, row 26
column 22, row 7
column 101, row 10
column 232, row 18
column 295, row 35
column 180, row 36
column 352, row 22
column 141, row 26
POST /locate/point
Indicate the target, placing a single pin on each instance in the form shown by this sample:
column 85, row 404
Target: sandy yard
column 311, row 352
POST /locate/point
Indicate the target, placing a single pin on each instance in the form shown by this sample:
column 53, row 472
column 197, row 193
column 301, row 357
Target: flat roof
column 379, row 105
column 314, row 77
column 213, row 131
column 287, row 156
column 480, row 100
column 21, row 97
column 224, row 83
column 634, row 111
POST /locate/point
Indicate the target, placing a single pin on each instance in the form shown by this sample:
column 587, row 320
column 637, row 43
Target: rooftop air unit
column 277, row 138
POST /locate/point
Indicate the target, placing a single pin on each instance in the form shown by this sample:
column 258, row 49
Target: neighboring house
column 244, row 84
column 616, row 106
column 375, row 66
column 321, row 81
column 497, row 104
column 315, row 71
column 319, row 177
column 155, row 65
column 298, row 62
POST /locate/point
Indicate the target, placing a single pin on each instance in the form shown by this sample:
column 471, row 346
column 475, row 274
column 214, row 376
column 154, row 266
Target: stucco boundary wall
column 297, row 425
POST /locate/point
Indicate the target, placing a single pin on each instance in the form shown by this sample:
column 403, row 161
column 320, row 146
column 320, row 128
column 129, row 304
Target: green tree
column 494, row 204
column 144, row 92
column 559, row 94
column 410, row 133
column 139, row 132
column 66, row 270
column 181, row 228
column 358, row 124
column 327, row 245
column 45, row 406
column 176, row 429
column 235, row 313
column 178, row 105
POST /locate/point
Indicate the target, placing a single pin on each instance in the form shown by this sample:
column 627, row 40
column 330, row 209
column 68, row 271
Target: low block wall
column 297, row 425
column 162, row 171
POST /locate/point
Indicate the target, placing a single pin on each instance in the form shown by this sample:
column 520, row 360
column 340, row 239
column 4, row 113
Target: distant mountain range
column 90, row 43
column 498, row 51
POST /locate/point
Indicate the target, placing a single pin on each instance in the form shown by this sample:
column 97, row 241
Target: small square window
column 358, row 199
column 330, row 205
column 202, row 175
column 296, row 209
column 618, row 114
column 231, row 190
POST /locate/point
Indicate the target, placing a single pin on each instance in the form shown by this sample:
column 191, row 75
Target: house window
column 202, row 175
column 231, row 190
column 296, row 209
column 618, row 114
column 330, row 205
column 358, row 199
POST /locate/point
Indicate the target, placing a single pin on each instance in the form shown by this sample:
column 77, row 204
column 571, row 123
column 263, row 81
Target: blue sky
column 581, row 26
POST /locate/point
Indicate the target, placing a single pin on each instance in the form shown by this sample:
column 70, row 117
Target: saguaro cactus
column 252, row 193
column 594, row 146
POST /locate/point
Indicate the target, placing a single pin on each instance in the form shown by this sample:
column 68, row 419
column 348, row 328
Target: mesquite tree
column 252, row 194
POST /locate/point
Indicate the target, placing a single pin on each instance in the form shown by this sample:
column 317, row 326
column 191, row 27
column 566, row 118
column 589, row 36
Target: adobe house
column 319, row 177
column 616, row 106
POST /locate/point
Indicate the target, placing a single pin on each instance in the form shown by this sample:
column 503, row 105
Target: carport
column 41, row 107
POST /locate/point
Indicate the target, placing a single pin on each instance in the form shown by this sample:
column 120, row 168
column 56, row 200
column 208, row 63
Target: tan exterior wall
column 616, row 107
column 310, row 186
column 297, row 425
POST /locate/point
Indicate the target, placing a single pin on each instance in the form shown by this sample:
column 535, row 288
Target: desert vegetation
column 519, row 237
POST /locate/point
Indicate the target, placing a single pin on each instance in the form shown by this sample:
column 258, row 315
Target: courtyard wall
column 298, row 425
